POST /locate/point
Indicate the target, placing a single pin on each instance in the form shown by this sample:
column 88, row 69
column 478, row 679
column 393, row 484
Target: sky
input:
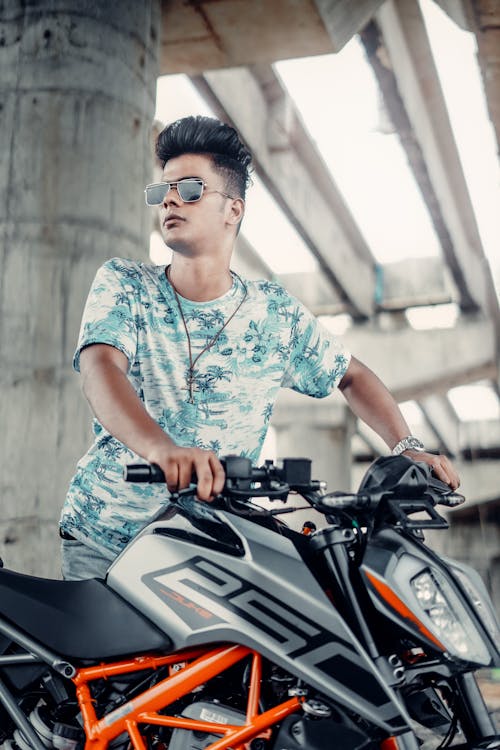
column 370, row 168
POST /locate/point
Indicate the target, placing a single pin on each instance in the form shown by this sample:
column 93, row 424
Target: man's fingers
column 440, row 471
column 171, row 472
column 454, row 480
column 210, row 476
column 219, row 476
column 181, row 465
column 185, row 472
column 443, row 469
column 204, row 488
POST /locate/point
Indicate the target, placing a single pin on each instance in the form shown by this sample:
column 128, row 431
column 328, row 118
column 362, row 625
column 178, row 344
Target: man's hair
column 212, row 138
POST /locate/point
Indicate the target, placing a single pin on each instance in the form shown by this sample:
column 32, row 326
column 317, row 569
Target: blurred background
column 375, row 131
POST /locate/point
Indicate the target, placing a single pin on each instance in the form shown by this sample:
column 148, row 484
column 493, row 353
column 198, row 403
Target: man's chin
column 175, row 243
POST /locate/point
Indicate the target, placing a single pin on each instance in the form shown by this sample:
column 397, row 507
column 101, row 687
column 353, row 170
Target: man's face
column 191, row 227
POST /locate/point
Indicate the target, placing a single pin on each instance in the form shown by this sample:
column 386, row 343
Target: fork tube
column 333, row 541
column 476, row 721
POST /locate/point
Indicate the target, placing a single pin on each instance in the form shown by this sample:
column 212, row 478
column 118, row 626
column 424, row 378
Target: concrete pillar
column 319, row 429
column 77, row 92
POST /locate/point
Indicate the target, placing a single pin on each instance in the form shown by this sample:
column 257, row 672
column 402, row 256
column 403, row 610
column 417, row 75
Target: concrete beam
column 458, row 10
column 481, row 435
column 444, row 422
column 406, row 54
column 414, row 364
column 296, row 409
column 486, row 14
column 288, row 163
column 247, row 262
column 482, row 18
column 206, row 35
column 413, row 282
column 344, row 19
column 314, row 291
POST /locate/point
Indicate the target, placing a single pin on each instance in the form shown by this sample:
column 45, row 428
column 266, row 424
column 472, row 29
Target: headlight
column 448, row 618
column 476, row 592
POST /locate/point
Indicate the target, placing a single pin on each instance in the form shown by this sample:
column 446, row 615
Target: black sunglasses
column 189, row 189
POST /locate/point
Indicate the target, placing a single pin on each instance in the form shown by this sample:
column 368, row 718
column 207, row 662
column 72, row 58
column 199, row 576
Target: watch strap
column 408, row 443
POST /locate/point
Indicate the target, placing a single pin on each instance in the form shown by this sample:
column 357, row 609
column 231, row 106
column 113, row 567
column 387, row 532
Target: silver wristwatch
column 408, row 443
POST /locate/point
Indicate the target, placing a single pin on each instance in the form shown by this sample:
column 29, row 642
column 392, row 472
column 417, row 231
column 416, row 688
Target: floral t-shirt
column 272, row 341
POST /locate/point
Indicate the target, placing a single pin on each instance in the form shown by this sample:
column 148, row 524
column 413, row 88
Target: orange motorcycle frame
column 198, row 667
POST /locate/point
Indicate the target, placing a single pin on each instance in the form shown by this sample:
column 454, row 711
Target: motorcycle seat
column 80, row 620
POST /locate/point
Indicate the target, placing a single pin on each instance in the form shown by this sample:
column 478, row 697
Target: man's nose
column 172, row 197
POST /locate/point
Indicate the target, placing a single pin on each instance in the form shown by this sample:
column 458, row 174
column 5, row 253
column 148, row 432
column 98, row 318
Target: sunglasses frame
column 175, row 184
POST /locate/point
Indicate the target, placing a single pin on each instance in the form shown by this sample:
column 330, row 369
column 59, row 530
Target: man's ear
column 236, row 211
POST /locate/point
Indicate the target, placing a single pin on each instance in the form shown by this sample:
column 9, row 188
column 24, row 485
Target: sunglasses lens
column 156, row 193
column 190, row 190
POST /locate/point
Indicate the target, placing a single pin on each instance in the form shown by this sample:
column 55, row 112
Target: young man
column 183, row 364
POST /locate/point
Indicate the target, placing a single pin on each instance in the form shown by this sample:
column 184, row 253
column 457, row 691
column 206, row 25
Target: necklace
column 209, row 344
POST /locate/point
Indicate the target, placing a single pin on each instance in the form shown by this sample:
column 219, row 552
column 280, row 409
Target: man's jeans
column 79, row 561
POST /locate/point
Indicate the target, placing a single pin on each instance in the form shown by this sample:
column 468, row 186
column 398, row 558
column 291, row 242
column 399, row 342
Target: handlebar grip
column 143, row 473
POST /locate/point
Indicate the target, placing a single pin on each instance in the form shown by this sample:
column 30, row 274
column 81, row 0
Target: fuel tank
column 207, row 576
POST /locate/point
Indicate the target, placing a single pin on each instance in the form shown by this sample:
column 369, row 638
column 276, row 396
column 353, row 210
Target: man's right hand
column 117, row 406
column 180, row 464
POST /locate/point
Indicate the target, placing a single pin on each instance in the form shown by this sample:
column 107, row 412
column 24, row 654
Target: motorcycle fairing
column 266, row 600
column 390, row 561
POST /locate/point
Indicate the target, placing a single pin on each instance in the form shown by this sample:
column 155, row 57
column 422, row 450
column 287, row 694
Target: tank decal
column 290, row 629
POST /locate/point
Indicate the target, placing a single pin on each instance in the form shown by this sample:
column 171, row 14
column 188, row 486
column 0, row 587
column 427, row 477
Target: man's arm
column 119, row 409
column 370, row 400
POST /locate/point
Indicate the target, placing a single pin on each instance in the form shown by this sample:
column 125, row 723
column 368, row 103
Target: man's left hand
column 441, row 466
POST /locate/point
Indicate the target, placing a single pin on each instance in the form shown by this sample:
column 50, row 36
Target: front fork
column 475, row 719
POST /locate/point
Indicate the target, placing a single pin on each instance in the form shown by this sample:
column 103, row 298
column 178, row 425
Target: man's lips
column 172, row 217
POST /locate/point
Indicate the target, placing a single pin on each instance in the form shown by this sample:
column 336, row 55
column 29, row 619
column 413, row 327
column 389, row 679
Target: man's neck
column 199, row 280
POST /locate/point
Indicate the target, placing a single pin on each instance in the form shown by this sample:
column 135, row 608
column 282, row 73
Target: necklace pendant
column 190, row 383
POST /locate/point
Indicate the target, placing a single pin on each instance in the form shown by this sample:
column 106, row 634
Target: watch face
column 415, row 443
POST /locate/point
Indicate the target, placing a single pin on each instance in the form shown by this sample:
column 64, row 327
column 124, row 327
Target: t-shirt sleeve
column 318, row 360
column 108, row 316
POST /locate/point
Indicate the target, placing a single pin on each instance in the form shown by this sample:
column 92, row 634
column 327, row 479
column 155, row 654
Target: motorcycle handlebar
column 242, row 478
column 152, row 474
column 143, row 473
column 295, row 474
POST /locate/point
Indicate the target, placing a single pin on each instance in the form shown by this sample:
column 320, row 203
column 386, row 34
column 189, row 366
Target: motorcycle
column 221, row 627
